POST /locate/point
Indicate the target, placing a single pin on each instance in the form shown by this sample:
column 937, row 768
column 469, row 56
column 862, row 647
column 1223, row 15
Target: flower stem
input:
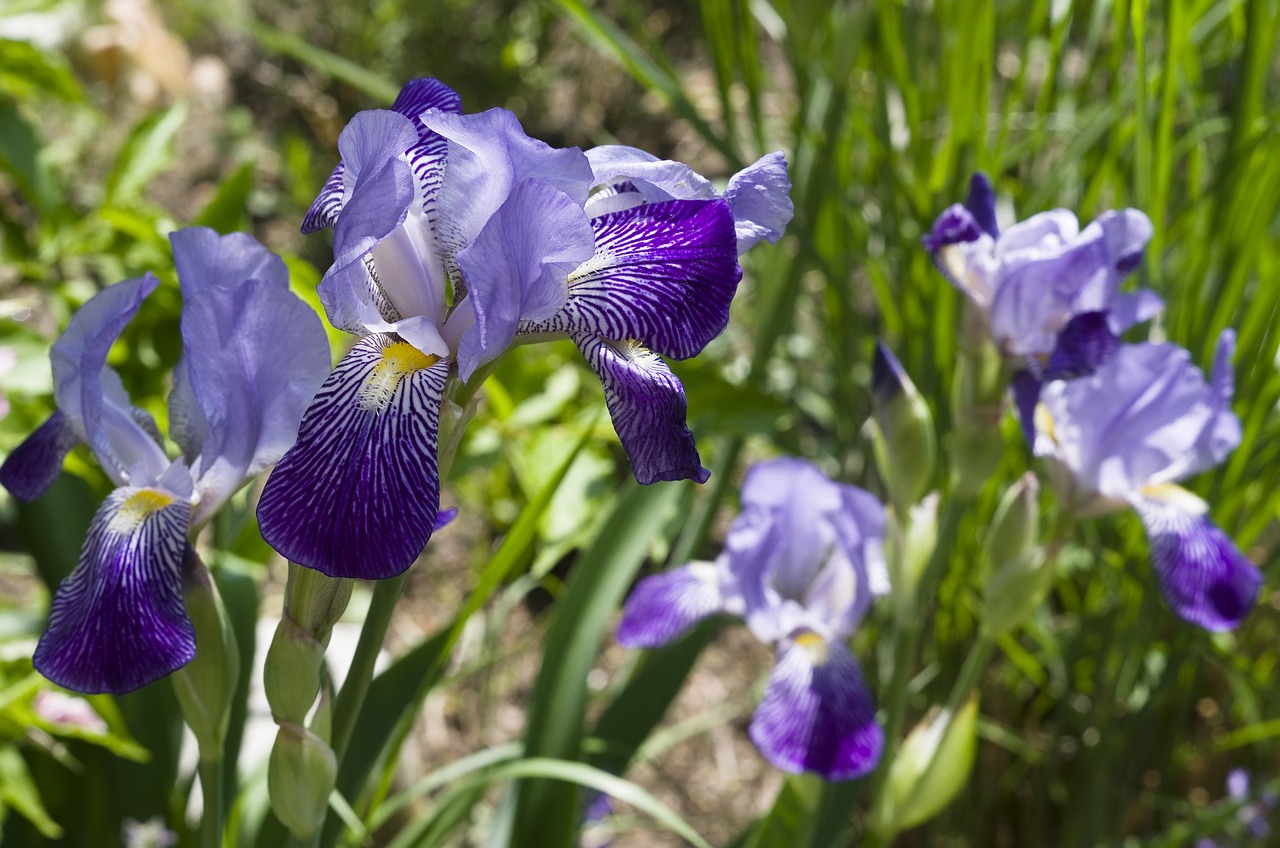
column 211, row 791
column 971, row 673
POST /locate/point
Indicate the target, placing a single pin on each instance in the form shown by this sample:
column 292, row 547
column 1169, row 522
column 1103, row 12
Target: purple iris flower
column 457, row 236
column 1124, row 436
column 253, row 355
column 1049, row 290
column 801, row 565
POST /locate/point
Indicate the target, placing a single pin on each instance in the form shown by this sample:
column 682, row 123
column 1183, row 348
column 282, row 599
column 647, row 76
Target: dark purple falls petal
column 1026, row 397
column 817, row 714
column 1203, row 576
column 662, row 273
column 117, row 622
column 981, row 204
column 648, row 407
column 955, row 225
column 663, row 606
column 358, row 495
column 1084, row 344
column 31, row 468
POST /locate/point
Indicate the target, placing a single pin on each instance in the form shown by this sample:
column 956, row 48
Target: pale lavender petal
column 981, row 204
column 648, row 407
column 663, row 606
column 817, row 714
column 663, row 274
column 1084, row 344
column 118, row 622
column 1132, row 308
column 253, row 357
column 1203, row 576
column 205, row 259
column 31, row 468
column 656, row 179
column 359, row 494
column 444, row 517
column 760, row 198
column 517, row 267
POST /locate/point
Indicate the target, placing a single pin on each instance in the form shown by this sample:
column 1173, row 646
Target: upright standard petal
column 663, row 606
column 654, row 179
column 359, row 493
column 31, row 468
column 817, row 714
column 648, row 407
column 205, row 259
column 760, row 198
column 118, row 623
column 662, row 273
column 1203, row 576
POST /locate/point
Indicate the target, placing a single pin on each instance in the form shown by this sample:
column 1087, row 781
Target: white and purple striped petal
column 662, row 273
column 205, row 259
column 648, row 408
column 31, row 468
column 118, row 622
column 817, row 714
column 1203, row 576
column 358, row 495
column 663, row 606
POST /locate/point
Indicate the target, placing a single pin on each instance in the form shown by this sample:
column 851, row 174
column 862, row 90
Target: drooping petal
column 253, row 357
column 655, row 179
column 817, row 714
column 1084, row 344
column 663, row 606
column 205, row 259
column 1131, row 308
column 358, row 495
column 956, row 225
column 517, row 266
column 1025, row 388
column 648, row 407
column 662, row 273
column 32, row 467
column 1203, row 576
column 981, row 204
column 328, row 203
column 760, row 198
column 118, row 623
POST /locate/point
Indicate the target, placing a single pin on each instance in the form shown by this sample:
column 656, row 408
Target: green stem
column 971, row 673
column 211, row 790
column 374, row 632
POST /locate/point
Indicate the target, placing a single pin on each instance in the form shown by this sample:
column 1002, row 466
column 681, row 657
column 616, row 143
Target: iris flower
column 253, row 355
column 1124, row 436
column 801, row 565
column 1049, row 290
column 457, row 236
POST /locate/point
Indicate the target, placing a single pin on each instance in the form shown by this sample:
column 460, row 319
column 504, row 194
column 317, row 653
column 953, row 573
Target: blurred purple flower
column 253, row 355
column 457, row 236
column 1124, row 436
column 801, row 565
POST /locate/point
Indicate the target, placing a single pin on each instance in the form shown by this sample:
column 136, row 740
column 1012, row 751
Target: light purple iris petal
column 31, row 468
column 1084, row 344
column 253, row 357
column 205, row 259
column 981, row 204
column 817, row 714
column 1132, row 308
column 655, row 179
column 118, row 623
column 760, row 198
column 517, row 266
column 663, row 273
column 648, row 407
column 663, row 606
column 1204, row 577
column 358, row 495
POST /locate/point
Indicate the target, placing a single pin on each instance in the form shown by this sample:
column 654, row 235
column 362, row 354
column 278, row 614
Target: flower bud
column 316, row 601
column 291, row 674
column 903, row 439
column 930, row 769
column 978, row 405
column 301, row 774
column 1016, row 570
column 908, row 550
column 206, row 685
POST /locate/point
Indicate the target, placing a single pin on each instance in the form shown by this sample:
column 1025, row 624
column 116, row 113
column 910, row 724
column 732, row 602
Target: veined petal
column 1203, row 576
column 760, row 199
column 656, row 179
column 118, row 623
column 648, row 407
column 817, row 714
column 517, row 266
column 663, row 273
column 205, row 259
column 253, row 357
column 32, row 467
column 1085, row 343
column 663, row 606
column 359, row 493
column 328, row 203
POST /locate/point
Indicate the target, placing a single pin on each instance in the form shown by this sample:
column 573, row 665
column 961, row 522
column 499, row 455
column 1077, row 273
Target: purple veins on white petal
column 662, row 607
column 358, row 495
column 31, row 468
column 817, row 714
column 117, row 622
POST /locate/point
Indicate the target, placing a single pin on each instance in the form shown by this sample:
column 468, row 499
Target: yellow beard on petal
column 399, row 360
column 814, row 644
column 1175, row 495
column 135, row 509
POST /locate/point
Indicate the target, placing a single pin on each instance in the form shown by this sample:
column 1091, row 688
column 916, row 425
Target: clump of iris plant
column 253, row 355
column 801, row 565
column 1125, row 436
column 457, row 236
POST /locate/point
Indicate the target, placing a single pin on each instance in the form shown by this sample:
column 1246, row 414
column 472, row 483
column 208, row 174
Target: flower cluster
column 253, row 355
column 801, row 565
column 457, row 236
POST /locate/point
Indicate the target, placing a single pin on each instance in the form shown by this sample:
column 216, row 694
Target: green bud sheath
column 301, row 775
column 1016, row 571
column 903, row 439
column 291, row 675
column 316, row 601
column 978, row 405
column 205, row 686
